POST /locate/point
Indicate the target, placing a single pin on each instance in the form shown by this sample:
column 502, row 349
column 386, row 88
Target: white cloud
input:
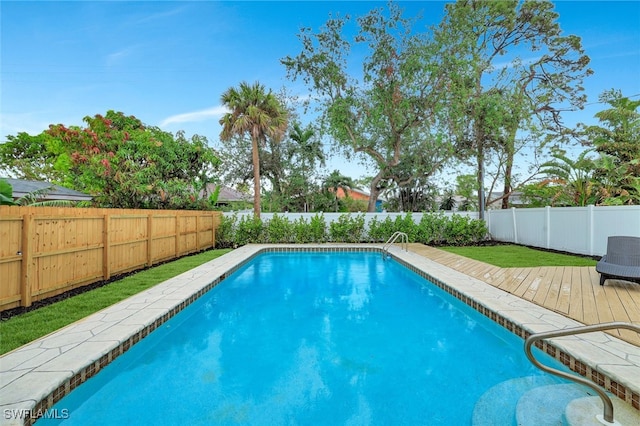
column 115, row 57
column 195, row 116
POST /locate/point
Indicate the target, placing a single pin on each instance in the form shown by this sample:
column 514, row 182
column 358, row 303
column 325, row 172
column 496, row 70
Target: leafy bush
column 380, row 231
column 250, row 230
column 462, row 230
column 433, row 229
column 280, row 230
column 225, row 234
column 347, row 229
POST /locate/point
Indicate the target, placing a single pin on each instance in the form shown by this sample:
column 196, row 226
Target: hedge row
column 433, row 229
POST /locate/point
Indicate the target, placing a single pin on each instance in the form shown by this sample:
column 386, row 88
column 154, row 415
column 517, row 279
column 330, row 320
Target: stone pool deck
column 37, row 375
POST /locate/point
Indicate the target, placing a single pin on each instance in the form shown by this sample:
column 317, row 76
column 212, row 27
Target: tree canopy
column 258, row 113
column 389, row 116
column 118, row 160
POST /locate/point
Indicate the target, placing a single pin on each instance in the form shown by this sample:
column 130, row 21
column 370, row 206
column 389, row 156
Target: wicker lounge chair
column 622, row 260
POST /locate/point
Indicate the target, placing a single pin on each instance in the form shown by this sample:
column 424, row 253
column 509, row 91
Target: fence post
column 547, row 223
column 590, row 230
column 515, row 225
column 198, row 231
column 149, row 239
column 213, row 228
column 177, row 235
column 106, row 247
column 27, row 258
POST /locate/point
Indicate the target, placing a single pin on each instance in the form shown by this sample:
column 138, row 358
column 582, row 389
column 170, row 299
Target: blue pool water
column 308, row 339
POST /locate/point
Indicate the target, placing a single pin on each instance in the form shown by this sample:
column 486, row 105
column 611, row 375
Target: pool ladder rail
column 404, row 243
column 608, row 405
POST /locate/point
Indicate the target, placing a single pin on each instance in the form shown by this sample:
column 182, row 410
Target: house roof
column 23, row 187
column 228, row 195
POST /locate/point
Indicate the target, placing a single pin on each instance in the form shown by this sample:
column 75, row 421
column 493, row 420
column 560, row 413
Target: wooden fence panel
column 46, row 251
column 128, row 242
column 66, row 252
column 10, row 258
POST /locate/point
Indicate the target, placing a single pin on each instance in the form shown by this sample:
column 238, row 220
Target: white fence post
column 547, row 224
column 590, row 230
column 515, row 225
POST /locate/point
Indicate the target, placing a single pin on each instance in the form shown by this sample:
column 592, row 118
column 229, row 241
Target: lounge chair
column 622, row 260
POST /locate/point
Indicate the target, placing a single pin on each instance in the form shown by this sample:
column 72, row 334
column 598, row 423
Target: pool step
column 498, row 405
column 545, row 405
column 542, row 401
column 585, row 412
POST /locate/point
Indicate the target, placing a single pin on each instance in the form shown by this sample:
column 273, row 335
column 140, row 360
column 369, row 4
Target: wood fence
column 45, row 251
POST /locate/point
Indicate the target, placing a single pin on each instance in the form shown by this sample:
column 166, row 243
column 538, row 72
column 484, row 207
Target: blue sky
column 169, row 62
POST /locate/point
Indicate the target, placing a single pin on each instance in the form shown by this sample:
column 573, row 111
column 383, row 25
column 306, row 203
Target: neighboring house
column 229, row 197
column 56, row 193
column 358, row 194
column 515, row 200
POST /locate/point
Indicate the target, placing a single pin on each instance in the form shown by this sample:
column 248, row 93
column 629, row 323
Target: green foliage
column 118, row 160
column 462, row 230
column 257, row 113
column 6, row 194
column 280, row 230
column 433, row 229
column 226, row 232
column 250, row 230
column 347, row 229
column 381, row 231
column 389, row 116
column 514, row 256
column 314, row 231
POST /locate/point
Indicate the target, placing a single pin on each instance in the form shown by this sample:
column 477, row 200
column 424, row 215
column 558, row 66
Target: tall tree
column 336, row 181
column 118, row 160
column 307, row 149
column 617, row 140
column 512, row 63
column 388, row 116
column 258, row 113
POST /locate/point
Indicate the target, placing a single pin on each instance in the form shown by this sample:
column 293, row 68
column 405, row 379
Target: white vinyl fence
column 581, row 230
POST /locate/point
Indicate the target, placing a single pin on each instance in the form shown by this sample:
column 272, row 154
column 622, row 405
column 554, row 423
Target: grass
column 24, row 328
column 514, row 256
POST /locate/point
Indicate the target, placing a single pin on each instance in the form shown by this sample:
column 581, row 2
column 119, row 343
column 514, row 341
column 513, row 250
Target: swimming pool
column 308, row 338
column 34, row 377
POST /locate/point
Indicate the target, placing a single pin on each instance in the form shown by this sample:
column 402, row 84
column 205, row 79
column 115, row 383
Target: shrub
column 279, row 230
column 462, row 230
column 347, row 229
column 225, row 234
column 433, row 229
column 249, row 230
column 380, row 231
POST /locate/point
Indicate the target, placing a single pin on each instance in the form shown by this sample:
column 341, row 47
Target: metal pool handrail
column 608, row 405
column 404, row 242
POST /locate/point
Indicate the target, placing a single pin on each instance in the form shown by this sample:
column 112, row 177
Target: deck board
column 572, row 291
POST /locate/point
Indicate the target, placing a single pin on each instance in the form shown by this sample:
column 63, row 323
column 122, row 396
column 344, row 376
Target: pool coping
column 37, row 375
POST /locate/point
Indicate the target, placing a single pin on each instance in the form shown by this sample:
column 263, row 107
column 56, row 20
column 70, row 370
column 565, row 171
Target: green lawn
column 513, row 256
column 24, row 328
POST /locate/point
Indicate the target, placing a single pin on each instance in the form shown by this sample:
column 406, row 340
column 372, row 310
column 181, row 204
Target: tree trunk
column 256, row 178
column 374, row 192
column 510, row 147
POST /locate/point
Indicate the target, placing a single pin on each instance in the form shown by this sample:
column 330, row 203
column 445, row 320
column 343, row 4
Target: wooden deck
column 569, row 290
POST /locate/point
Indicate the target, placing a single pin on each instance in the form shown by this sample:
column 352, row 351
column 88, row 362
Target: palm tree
column 309, row 151
column 336, row 181
column 259, row 113
column 574, row 177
